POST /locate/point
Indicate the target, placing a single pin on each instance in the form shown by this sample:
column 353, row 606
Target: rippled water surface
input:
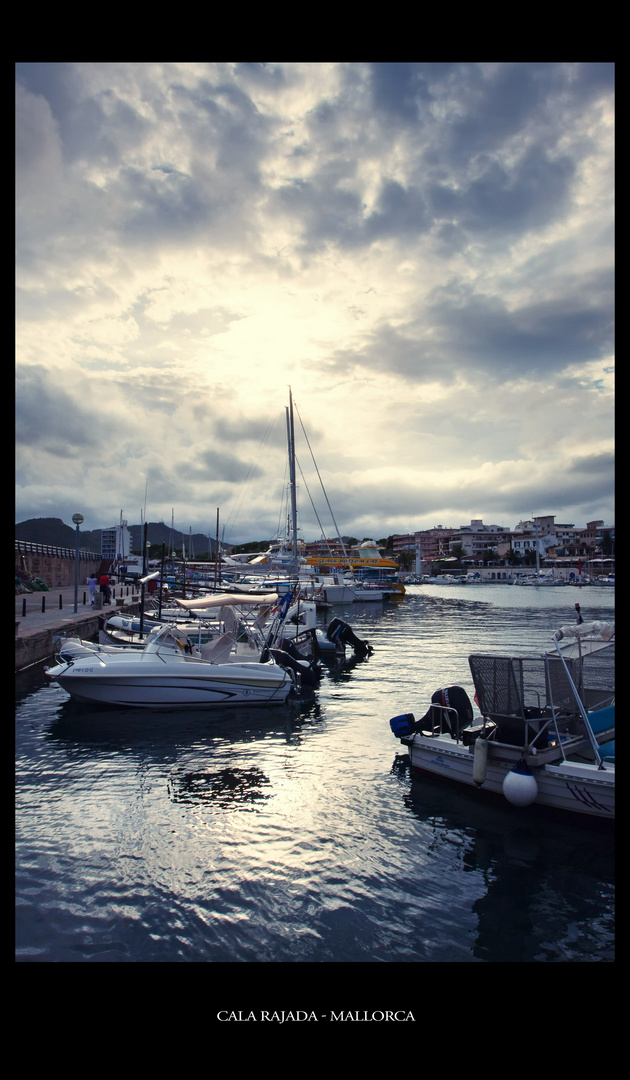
column 296, row 834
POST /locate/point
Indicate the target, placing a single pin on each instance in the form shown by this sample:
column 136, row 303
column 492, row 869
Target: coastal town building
column 561, row 546
column 435, row 543
column 325, row 549
column 476, row 539
column 558, row 544
column 116, row 541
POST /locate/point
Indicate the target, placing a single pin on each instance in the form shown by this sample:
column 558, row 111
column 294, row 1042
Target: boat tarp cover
column 604, row 630
column 587, row 638
column 227, row 599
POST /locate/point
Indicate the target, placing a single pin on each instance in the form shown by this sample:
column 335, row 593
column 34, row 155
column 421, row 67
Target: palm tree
column 458, row 552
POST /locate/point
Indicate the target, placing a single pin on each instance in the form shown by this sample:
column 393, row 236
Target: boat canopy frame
column 527, row 698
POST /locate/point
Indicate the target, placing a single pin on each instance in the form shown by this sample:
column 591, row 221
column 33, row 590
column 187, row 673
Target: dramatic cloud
column 423, row 252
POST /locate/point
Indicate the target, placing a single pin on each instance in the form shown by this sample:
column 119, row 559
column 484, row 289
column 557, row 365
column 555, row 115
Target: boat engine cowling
column 339, row 631
column 450, row 698
column 292, row 650
column 403, row 725
column 290, row 658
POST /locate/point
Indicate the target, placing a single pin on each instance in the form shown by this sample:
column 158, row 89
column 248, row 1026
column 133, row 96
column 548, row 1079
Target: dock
column 36, row 629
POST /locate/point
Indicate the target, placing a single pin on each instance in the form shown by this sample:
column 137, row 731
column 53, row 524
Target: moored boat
column 545, row 730
column 170, row 671
column 255, row 651
column 174, row 669
column 539, row 579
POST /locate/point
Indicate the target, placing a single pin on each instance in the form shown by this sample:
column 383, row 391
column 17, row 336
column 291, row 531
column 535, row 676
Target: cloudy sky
column 422, row 252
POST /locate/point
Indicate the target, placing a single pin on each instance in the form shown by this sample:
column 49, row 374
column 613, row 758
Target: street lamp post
column 78, row 519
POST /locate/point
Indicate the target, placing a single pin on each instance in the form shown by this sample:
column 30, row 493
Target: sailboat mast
column 292, row 486
column 217, row 564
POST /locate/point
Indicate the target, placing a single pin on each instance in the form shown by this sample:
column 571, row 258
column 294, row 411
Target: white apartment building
column 544, row 524
column 550, row 535
column 476, row 538
column 522, row 544
column 116, row 541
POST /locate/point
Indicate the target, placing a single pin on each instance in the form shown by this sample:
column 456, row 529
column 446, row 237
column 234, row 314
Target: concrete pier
column 35, row 630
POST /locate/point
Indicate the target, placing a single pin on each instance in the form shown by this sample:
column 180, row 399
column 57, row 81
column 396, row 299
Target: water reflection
column 228, row 787
column 544, row 877
column 286, row 834
column 93, row 721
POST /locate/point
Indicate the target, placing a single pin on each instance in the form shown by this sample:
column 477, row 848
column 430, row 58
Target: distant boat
column 367, row 556
column 607, row 580
column 539, row 579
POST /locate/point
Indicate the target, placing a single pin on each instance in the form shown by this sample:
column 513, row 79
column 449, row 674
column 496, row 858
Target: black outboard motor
column 339, row 631
column 450, row 698
column 292, row 650
column 290, row 657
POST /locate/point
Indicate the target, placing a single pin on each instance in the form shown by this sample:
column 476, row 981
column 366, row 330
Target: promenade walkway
column 59, row 604
column 35, row 629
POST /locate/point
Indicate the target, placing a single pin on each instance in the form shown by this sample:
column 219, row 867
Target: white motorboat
column 200, row 618
column 133, row 629
column 173, row 670
column 292, row 621
column 546, row 729
column 329, row 588
column 541, row 579
column 607, row 581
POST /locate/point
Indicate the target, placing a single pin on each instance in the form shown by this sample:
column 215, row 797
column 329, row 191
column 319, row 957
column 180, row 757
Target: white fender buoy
column 480, row 761
column 520, row 787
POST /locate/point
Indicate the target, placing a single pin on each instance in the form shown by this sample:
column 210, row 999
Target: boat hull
column 198, row 686
column 576, row 787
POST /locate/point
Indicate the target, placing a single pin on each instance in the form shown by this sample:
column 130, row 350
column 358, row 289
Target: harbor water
column 296, row 834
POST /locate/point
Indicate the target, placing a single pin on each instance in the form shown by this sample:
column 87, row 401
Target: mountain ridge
column 55, row 532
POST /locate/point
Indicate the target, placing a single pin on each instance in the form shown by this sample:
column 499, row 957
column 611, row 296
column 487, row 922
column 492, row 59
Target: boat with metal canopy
column 545, row 730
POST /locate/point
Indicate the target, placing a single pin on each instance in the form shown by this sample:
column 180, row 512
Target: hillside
column 53, row 531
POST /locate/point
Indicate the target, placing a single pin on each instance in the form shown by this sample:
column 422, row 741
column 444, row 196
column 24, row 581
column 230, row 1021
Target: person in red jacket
column 104, row 585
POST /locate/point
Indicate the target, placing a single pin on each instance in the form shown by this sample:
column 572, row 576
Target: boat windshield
column 167, row 637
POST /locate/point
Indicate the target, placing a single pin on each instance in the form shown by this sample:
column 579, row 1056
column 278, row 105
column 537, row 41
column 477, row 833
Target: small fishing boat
column 545, row 730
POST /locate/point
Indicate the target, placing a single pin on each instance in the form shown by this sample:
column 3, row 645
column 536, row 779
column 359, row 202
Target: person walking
column 92, row 583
